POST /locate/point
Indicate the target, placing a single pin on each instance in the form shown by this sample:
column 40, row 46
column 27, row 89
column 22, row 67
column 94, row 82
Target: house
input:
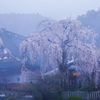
column 10, row 59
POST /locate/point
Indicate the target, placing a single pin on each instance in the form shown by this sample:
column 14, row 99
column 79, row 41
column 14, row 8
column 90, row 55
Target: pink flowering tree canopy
column 59, row 43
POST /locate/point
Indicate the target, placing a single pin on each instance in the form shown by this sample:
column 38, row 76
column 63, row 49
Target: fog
column 48, row 47
column 50, row 8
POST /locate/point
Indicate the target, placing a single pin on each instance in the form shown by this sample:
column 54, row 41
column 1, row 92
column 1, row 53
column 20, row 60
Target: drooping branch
column 61, row 41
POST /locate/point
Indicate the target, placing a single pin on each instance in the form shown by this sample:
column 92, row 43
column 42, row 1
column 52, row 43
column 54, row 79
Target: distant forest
column 92, row 20
column 22, row 24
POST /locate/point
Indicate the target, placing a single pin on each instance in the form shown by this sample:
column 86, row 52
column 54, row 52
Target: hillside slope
column 92, row 20
column 23, row 24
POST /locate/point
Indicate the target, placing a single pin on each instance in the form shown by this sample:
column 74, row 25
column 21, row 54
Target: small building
column 10, row 59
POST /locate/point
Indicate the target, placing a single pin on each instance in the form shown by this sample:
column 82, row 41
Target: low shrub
column 74, row 98
column 11, row 98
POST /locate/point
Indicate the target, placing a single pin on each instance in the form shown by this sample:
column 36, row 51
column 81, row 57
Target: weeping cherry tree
column 61, row 42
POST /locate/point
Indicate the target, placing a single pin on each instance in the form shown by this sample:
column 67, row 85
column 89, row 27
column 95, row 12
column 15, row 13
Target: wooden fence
column 84, row 95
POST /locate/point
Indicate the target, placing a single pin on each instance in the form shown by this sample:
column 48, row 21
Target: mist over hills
column 92, row 20
column 23, row 24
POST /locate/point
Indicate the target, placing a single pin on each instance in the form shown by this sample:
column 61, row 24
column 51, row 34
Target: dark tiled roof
column 10, row 42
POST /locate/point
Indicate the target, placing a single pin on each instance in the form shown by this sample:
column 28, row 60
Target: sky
column 55, row 9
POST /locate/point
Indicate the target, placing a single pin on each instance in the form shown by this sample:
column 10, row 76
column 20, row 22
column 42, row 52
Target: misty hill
column 10, row 59
column 92, row 20
column 23, row 24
